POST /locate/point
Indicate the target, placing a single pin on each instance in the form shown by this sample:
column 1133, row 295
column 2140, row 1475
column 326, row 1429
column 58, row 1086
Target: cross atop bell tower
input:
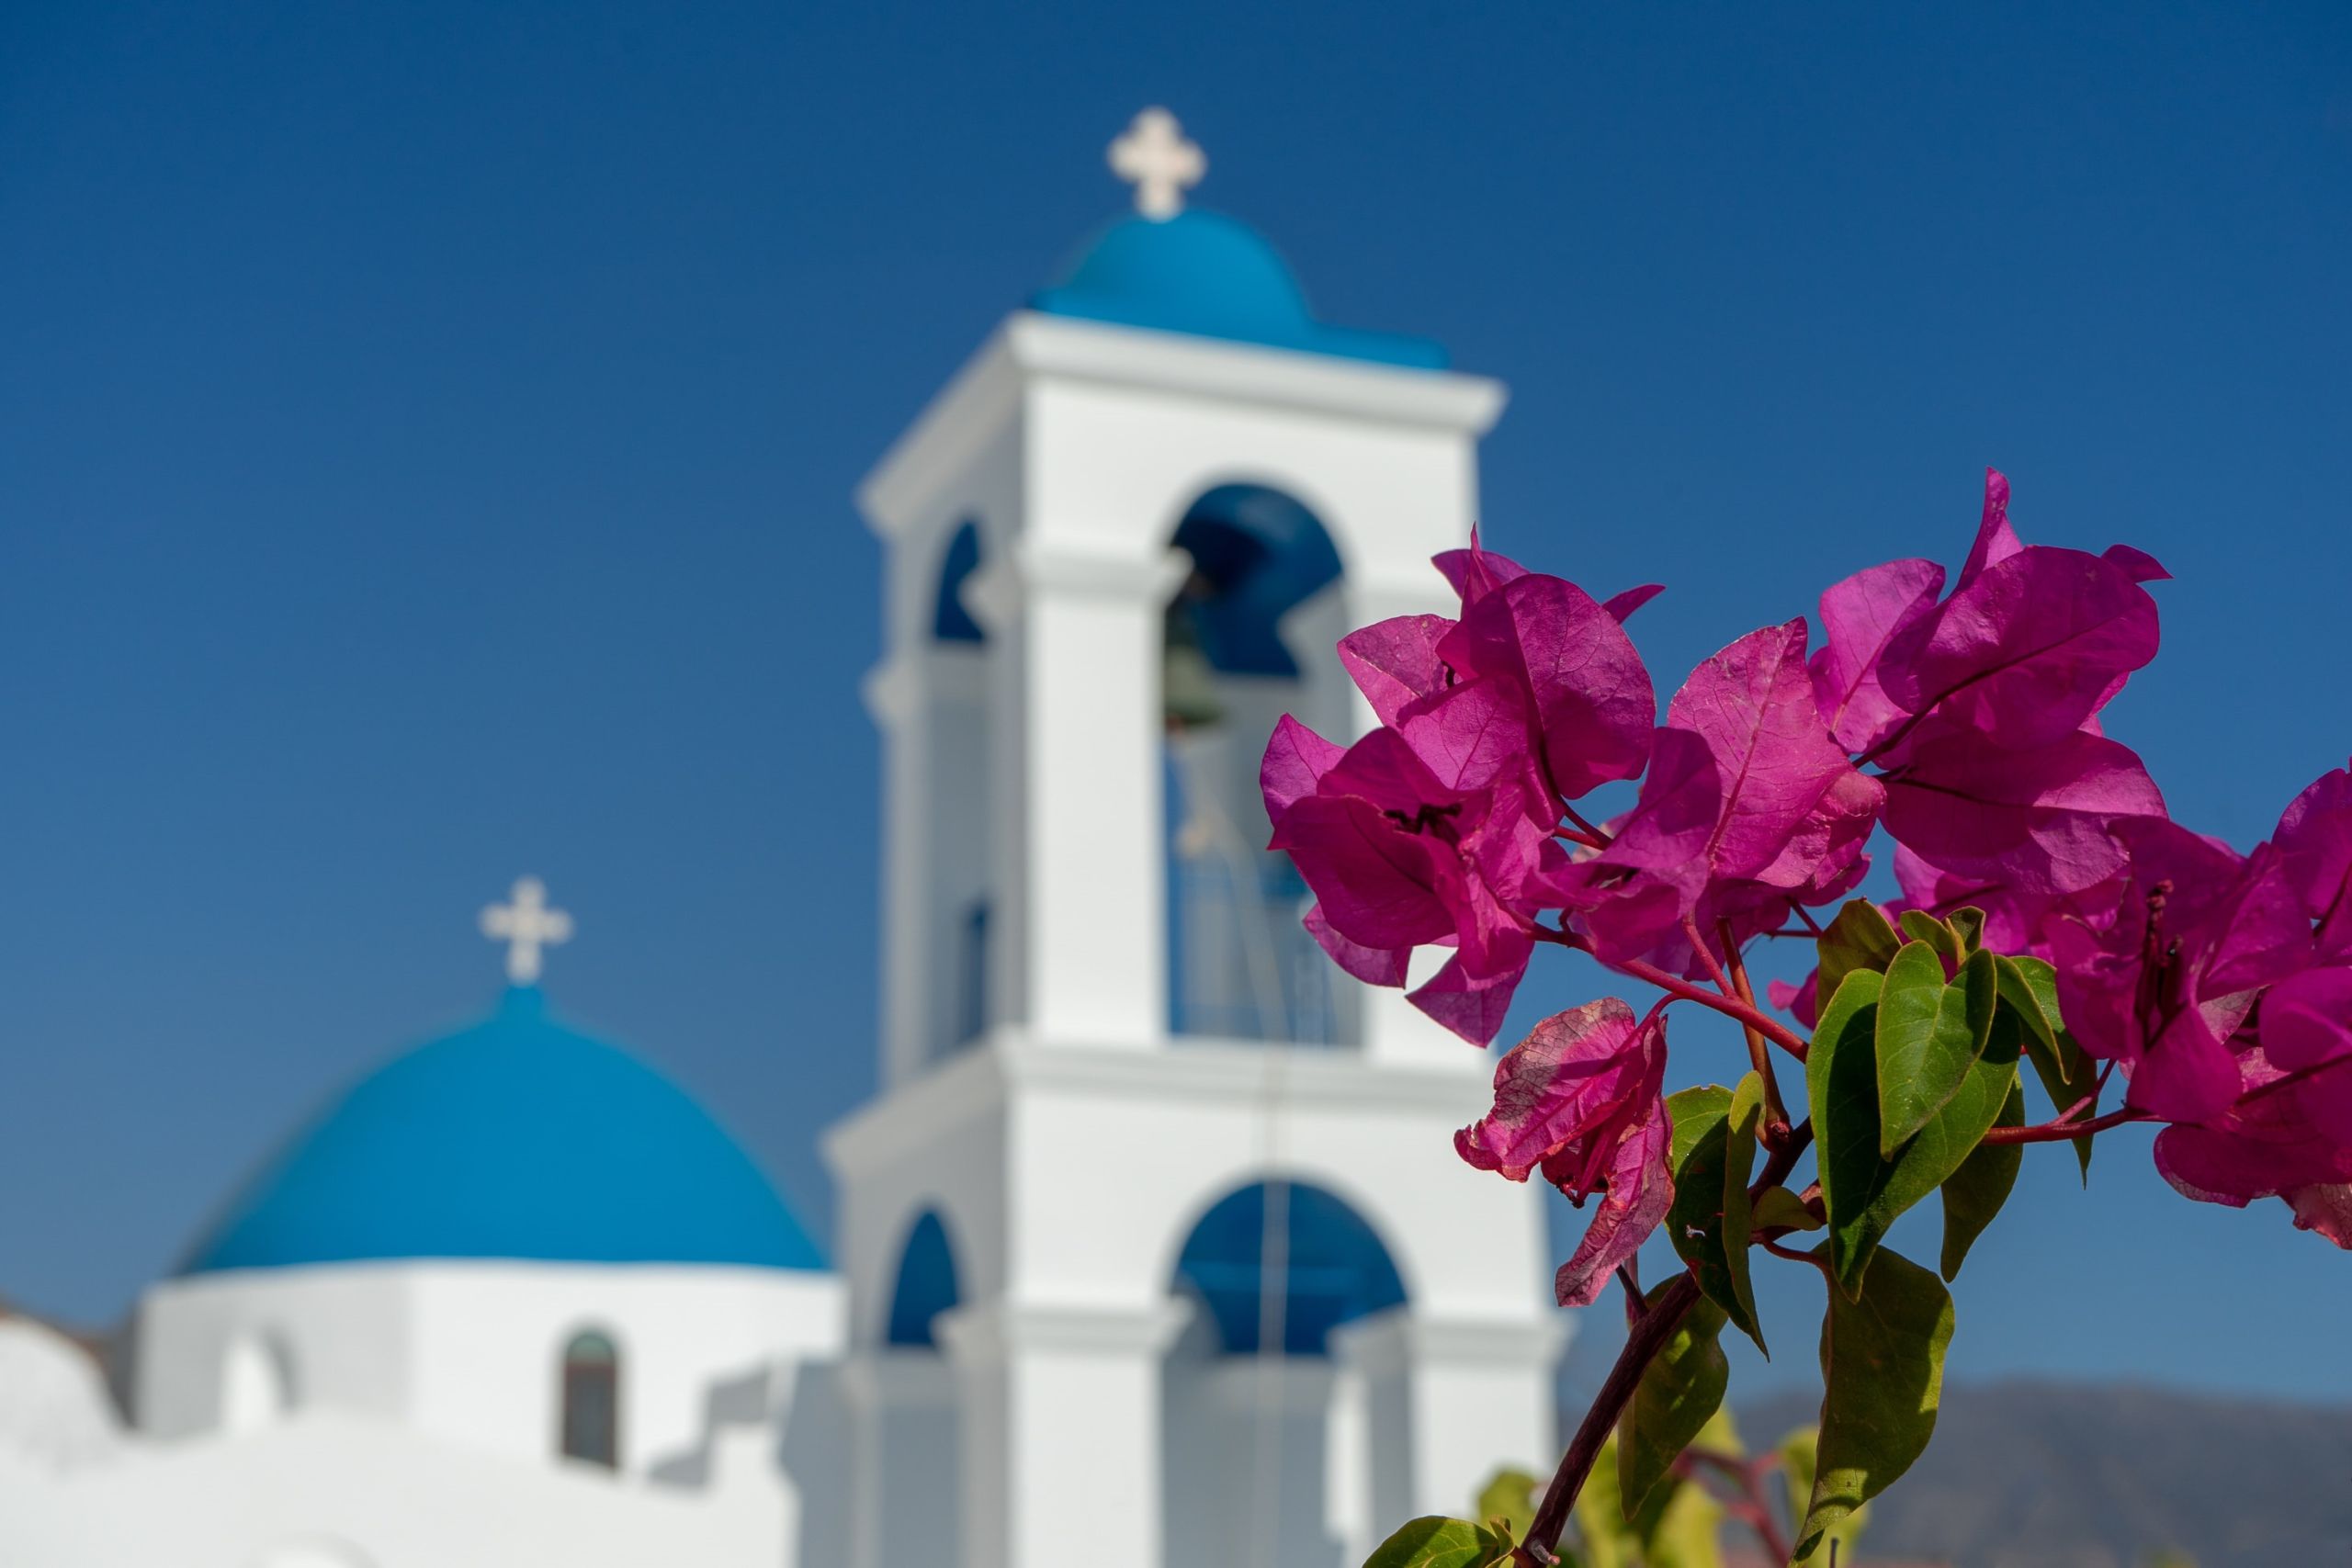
column 1154, row 157
column 528, row 928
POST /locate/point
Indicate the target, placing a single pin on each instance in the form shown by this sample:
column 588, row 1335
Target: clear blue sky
column 427, row 436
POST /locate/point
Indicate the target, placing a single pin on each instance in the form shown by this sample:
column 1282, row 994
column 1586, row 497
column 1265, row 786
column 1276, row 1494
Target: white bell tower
column 1157, row 1248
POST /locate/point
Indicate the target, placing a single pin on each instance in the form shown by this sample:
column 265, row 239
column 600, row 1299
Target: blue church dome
column 518, row 1138
column 1208, row 275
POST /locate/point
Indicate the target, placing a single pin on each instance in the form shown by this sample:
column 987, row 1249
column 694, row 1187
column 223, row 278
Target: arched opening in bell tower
column 918, row 1443
column 1249, row 637
column 961, row 780
column 1268, row 1454
column 925, row 1287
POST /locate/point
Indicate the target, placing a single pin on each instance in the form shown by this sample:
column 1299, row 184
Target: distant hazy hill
column 2055, row 1475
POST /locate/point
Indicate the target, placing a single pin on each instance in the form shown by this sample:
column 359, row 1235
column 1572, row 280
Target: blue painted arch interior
column 1337, row 1269
column 950, row 621
column 518, row 1138
column 926, row 1285
column 1257, row 554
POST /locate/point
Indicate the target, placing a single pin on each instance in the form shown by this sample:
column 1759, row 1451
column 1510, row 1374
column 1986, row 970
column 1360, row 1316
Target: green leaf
column 2030, row 988
column 1968, row 925
column 1797, row 1453
column 1510, row 1500
column 1689, row 1531
column 1919, row 926
column 1709, row 1224
column 1862, row 1193
column 1780, row 1209
column 1841, row 1092
column 1680, row 1392
column 1974, row 1194
column 1858, row 938
column 1436, row 1543
column 1882, row 1364
column 1694, row 1113
column 1929, row 1035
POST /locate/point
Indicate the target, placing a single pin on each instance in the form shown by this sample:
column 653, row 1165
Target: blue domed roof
column 515, row 1139
column 1206, row 274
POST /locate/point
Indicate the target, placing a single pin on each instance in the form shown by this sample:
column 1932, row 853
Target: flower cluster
column 2221, row 984
column 1966, row 724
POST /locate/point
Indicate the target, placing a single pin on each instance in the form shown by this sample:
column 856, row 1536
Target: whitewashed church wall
column 1248, row 1455
column 937, row 1144
column 326, row 1487
column 919, row 679
column 1110, row 1178
column 962, row 924
column 489, row 1338
column 341, row 1336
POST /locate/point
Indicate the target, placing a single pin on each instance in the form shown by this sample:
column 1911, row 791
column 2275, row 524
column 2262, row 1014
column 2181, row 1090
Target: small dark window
column 950, row 621
column 972, row 978
column 591, row 1401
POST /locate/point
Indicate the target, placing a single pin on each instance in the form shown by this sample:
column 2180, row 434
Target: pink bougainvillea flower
column 1295, row 761
column 2032, row 642
column 1393, row 662
column 1753, row 704
column 1577, row 1075
column 1570, row 662
column 2307, row 1017
column 1801, row 1001
column 2036, row 821
column 1373, row 965
column 2030, row 649
column 2163, row 979
column 1477, row 571
column 2265, row 1145
column 2014, row 921
column 1639, row 1190
column 1400, row 857
column 1579, row 1100
column 1620, row 605
column 1996, row 541
column 2306, row 1031
column 1478, row 732
column 2315, row 837
column 1859, row 618
column 1750, row 806
column 1557, row 681
column 2324, row 1207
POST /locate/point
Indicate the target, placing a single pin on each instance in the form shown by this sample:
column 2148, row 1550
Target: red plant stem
column 1634, row 1306
column 1644, row 1340
column 1707, row 954
column 2058, row 1131
column 1731, row 1007
column 1644, row 1337
column 1792, row 1253
column 2298, row 1075
column 1759, row 1055
column 1597, row 837
column 1751, row 1508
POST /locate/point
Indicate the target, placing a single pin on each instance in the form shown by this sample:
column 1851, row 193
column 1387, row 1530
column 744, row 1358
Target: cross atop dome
column 527, row 927
column 1153, row 156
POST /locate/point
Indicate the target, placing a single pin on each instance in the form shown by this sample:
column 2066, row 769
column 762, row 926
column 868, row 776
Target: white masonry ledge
column 1324, row 1079
column 1031, row 346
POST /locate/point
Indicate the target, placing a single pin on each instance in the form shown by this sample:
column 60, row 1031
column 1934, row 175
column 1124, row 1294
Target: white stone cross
column 1154, row 158
column 526, row 926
